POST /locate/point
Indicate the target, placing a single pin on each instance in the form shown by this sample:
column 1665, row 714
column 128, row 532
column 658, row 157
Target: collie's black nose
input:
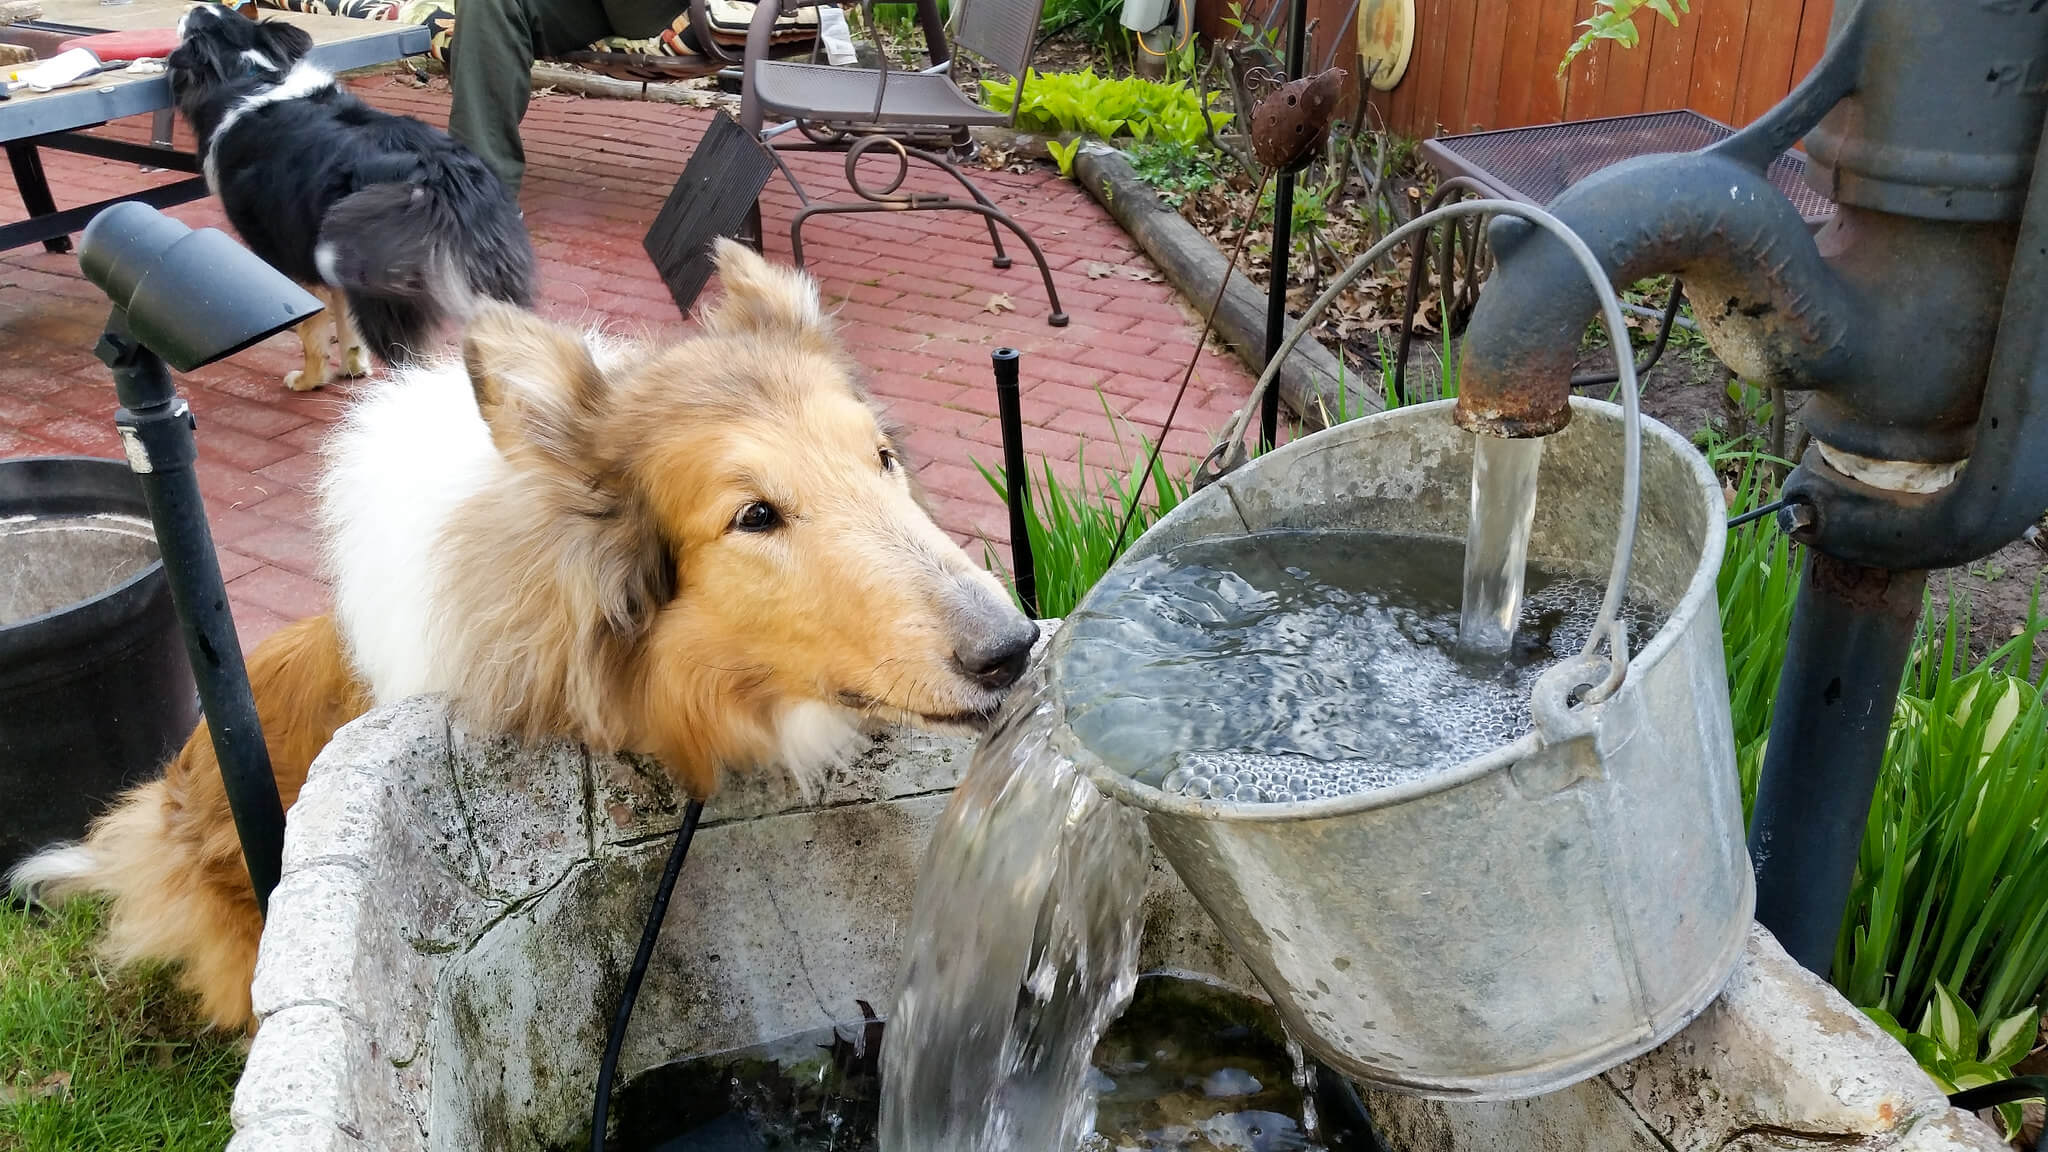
column 995, row 659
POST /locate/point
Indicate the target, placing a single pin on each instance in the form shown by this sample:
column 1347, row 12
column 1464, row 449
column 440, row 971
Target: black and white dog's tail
column 413, row 254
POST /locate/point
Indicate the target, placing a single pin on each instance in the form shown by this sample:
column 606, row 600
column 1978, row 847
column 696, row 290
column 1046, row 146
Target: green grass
column 99, row 1060
column 1758, row 581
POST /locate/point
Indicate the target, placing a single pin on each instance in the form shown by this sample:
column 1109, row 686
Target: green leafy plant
column 1063, row 153
column 1311, row 211
column 1758, row 581
column 1959, row 1052
column 1955, row 856
column 1174, row 169
column 1616, row 20
column 1073, row 529
column 1944, row 924
column 1238, row 22
column 1104, row 107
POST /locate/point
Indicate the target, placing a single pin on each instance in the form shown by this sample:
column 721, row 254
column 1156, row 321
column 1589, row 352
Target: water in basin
column 52, row 562
column 1189, row 1068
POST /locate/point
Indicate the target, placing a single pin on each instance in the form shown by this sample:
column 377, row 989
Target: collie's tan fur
column 611, row 582
column 166, row 855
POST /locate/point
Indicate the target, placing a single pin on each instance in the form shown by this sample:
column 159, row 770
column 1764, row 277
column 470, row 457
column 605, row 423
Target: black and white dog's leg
column 313, row 344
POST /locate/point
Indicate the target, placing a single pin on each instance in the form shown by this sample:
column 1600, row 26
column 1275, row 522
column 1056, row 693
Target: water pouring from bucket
column 1454, row 879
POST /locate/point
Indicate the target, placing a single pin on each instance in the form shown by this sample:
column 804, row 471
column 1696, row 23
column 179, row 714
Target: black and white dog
column 390, row 221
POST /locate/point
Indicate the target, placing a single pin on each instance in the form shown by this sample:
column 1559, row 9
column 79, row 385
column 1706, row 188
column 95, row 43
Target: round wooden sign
column 1386, row 38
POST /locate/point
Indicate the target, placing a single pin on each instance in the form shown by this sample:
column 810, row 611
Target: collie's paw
column 355, row 362
column 299, row 381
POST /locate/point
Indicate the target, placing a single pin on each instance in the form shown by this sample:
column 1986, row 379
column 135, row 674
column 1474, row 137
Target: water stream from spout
column 1497, row 543
column 1023, row 948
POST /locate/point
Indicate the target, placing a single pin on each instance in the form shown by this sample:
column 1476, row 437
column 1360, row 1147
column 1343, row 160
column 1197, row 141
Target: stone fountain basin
column 457, row 915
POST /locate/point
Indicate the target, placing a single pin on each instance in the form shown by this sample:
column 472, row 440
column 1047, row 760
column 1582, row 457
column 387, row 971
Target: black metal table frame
column 58, row 121
column 52, row 226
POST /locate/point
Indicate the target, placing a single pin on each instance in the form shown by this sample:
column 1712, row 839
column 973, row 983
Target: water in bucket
column 1312, row 664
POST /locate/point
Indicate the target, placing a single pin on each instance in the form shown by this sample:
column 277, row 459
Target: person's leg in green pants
column 491, row 62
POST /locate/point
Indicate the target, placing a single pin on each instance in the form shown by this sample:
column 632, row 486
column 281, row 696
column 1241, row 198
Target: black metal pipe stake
column 1852, row 630
column 1283, row 237
column 1016, row 478
column 156, row 432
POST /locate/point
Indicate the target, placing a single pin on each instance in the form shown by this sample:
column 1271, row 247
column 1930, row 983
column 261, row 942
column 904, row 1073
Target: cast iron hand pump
column 1913, row 320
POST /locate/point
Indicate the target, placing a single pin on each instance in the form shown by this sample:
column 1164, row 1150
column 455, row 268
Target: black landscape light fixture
column 184, row 298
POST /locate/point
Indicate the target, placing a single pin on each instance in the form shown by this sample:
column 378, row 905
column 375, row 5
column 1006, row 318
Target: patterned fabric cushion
column 728, row 18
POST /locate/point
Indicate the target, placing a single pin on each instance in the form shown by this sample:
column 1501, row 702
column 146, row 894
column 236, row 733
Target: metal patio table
column 1536, row 164
column 33, row 121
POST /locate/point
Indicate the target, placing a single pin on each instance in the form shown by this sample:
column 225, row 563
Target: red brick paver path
column 916, row 296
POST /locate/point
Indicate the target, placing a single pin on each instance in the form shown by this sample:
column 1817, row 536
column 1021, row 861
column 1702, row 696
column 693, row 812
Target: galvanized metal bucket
column 1539, row 914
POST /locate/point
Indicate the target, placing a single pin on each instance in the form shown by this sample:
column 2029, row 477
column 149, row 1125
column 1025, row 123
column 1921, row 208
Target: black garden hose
column 2010, row 1091
column 649, row 933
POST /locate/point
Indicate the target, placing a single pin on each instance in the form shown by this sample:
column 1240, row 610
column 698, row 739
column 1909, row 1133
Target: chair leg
column 992, row 214
column 796, row 234
column 753, row 234
column 989, row 212
column 995, row 238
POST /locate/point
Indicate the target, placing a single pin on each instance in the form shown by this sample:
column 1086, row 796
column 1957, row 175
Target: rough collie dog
column 393, row 224
column 710, row 553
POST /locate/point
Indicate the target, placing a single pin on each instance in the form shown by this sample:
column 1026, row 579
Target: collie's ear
column 537, row 387
column 289, row 42
column 542, row 395
column 761, row 297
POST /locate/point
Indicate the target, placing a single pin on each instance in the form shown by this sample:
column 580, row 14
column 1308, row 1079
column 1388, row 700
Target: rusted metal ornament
column 1290, row 123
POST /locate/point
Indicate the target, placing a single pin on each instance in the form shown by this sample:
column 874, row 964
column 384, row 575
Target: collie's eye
column 757, row 517
column 889, row 460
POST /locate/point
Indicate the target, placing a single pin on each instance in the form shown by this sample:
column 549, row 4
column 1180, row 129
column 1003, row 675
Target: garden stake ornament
column 1290, row 123
column 1289, row 126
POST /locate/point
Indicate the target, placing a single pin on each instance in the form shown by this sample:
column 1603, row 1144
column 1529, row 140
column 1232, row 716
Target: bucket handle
column 1229, row 453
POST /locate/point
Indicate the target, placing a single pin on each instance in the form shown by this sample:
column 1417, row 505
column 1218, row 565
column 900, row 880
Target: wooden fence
column 1480, row 64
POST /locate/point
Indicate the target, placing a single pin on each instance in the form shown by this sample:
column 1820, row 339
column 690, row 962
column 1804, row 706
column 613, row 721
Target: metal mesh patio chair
column 920, row 115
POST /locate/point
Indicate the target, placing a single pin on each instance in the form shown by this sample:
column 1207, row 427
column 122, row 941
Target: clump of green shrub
column 1104, row 107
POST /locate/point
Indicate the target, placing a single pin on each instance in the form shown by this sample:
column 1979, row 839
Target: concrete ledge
column 457, row 914
column 1781, row 1061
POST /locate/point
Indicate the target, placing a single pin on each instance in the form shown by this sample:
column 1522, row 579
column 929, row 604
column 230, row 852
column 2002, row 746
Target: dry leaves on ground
column 57, row 1085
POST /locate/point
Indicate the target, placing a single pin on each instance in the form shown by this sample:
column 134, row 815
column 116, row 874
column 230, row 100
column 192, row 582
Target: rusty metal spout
column 1764, row 298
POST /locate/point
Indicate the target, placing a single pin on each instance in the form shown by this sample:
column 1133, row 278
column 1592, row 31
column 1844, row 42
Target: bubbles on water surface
column 1296, row 666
